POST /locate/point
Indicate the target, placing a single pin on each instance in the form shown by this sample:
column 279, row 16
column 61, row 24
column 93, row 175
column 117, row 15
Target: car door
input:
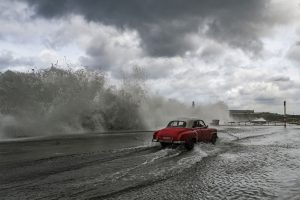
column 205, row 136
column 198, row 128
column 195, row 128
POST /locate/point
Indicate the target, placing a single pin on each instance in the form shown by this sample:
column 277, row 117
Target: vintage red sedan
column 185, row 131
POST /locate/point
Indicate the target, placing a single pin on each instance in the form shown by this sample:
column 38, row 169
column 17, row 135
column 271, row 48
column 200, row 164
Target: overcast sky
column 245, row 53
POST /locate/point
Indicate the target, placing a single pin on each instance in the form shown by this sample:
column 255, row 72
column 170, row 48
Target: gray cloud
column 164, row 26
column 200, row 48
column 8, row 60
column 294, row 52
column 280, row 79
column 284, row 83
column 111, row 50
column 266, row 100
column 211, row 53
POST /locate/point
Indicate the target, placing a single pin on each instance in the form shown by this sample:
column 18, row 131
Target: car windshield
column 177, row 124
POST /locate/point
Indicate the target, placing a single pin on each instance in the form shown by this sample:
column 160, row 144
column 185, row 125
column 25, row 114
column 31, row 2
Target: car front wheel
column 214, row 139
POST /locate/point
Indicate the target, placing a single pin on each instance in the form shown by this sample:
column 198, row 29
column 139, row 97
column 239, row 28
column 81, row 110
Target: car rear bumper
column 168, row 141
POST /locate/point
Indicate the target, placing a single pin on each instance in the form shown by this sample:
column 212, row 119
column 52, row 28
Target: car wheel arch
column 186, row 135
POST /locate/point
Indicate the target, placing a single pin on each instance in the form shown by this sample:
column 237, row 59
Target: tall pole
column 284, row 105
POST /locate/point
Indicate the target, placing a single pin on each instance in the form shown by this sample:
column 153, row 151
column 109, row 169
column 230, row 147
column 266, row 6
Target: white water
column 56, row 101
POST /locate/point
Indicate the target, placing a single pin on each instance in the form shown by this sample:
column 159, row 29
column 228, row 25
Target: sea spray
column 157, row 111
column 55, row 101
column 59, row 101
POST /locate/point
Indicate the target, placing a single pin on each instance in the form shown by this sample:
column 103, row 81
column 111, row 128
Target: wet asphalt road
column 246, row 163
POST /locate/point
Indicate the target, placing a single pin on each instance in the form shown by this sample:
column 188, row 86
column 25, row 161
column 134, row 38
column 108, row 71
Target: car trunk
column 167, row 133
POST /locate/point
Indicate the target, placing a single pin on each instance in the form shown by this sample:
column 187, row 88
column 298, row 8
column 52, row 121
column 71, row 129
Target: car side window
column 172, row 124
column 202, row 124
column 196, row 124
column 181, row 124
column 176, row 124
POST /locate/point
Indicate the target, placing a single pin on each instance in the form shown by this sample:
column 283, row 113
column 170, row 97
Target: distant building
column 215, row 122
column 240, row 112
column 259, row 121
column 241, row 115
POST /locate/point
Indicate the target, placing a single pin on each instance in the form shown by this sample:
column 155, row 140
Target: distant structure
column 259, row 121
column 245, row 115
column 262, row 118
column 215, row 122
column 193, row 104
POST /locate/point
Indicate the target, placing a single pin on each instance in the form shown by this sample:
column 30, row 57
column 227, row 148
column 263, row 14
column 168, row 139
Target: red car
column 185, row 131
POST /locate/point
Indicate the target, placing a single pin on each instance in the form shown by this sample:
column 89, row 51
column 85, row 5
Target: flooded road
column 245, row 163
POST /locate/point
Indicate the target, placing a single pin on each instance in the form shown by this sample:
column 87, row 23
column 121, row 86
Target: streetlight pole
column 284, row 105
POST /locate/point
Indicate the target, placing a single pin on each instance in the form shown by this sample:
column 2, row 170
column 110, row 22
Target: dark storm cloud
column 165, row 25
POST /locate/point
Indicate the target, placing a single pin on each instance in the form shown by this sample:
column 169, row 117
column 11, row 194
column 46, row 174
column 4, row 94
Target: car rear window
column 177, row 124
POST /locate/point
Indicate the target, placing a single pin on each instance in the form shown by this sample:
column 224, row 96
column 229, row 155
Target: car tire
column 214, row 139
column 189, row 144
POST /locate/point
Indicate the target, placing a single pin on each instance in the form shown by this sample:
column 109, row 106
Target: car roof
column 188, row 120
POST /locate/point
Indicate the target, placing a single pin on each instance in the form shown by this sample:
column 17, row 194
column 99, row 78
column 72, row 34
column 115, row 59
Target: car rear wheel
column 214, row 139
column 163, row 144
column 189, row 144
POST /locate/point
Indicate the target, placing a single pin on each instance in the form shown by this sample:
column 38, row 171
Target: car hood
column 173, row 132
